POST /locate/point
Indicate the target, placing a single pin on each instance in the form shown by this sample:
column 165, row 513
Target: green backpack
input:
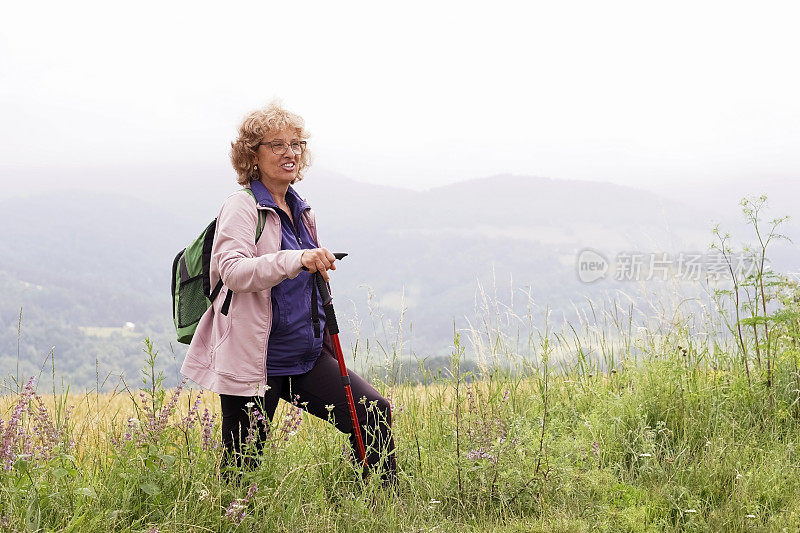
column 192, row 294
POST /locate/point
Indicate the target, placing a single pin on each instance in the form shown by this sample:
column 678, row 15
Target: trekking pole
column 333, row 329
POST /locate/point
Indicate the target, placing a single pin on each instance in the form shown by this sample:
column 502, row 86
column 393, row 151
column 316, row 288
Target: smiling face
column 278, row 170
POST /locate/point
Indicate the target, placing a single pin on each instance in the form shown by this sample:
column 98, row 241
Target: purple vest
column 293, row 348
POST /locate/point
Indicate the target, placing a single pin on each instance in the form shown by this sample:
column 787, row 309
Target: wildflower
column 292, row 420
column 749, row 516
column 14, row 436
column 203, row 494
column 208, row 428
column 481, row 454
column 507, row 395
column 645, row 455
column 329, row 407
column 193, row 414
column 690, row 511
column 250, row 405
column 236, row 510
column 156, row 423
column 43, row 427
column 434, row 501
column 259, row 417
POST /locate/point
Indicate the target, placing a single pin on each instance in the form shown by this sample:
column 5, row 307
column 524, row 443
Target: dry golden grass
column 97, row 418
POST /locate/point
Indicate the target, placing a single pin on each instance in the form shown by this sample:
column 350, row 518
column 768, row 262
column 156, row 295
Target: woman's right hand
column 319, row 260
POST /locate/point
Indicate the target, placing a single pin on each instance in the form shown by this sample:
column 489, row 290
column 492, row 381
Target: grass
column 674, row 442
column 674, row 418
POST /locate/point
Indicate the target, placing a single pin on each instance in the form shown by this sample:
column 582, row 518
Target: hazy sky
column 412, row 94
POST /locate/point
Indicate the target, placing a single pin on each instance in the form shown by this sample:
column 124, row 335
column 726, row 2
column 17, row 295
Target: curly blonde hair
column 257, row 125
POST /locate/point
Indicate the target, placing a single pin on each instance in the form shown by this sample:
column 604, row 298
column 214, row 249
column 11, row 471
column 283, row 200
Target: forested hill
column 82, row 264
column 75, row 260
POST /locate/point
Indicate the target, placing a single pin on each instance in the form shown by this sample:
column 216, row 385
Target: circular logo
column 591, row 266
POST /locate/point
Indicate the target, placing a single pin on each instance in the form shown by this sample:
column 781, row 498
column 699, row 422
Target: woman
column 257, row 344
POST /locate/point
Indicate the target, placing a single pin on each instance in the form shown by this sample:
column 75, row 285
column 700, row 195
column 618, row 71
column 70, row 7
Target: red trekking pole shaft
column 333, row 328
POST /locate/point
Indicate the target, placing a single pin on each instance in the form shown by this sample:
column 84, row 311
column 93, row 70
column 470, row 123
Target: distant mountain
column 79, row 263
column 720, row 198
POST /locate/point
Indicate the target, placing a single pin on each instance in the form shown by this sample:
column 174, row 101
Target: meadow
column 684, row 416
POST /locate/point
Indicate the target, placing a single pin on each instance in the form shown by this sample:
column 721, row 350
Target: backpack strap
column 227, row 303
column 262, row 221
column 262, row 216
column 215, row 292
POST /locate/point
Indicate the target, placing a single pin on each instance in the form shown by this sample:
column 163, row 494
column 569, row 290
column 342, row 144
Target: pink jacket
column 228, row 353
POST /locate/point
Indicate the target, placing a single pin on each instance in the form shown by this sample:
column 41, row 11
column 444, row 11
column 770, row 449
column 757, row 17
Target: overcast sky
column 412, row 94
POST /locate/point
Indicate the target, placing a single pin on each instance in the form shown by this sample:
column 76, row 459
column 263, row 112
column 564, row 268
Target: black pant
column 315, row 391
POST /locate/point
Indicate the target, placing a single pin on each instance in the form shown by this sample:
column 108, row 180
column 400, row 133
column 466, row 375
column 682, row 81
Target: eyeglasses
column 280, row 147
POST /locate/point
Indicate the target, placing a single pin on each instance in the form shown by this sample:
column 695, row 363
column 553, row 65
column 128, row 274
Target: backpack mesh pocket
column 192, row 303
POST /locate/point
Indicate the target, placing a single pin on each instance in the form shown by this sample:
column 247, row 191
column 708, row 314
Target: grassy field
column 677, row 438
column 681, row 417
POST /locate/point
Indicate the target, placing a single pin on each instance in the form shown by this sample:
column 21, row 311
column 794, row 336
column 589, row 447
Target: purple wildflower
column 194, row 413
column 236, row 511
column 292, row 420
column 481, row 454
column 207, row 423
column 157, row 424
column 14, row 436
column 45, row 429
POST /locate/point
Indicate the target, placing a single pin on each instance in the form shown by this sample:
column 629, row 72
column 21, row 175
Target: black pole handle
column 322, row 289
column 327, row 304
column 327, row 299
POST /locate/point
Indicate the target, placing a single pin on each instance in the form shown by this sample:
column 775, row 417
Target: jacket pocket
column 240, row 353
column 222, row 323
